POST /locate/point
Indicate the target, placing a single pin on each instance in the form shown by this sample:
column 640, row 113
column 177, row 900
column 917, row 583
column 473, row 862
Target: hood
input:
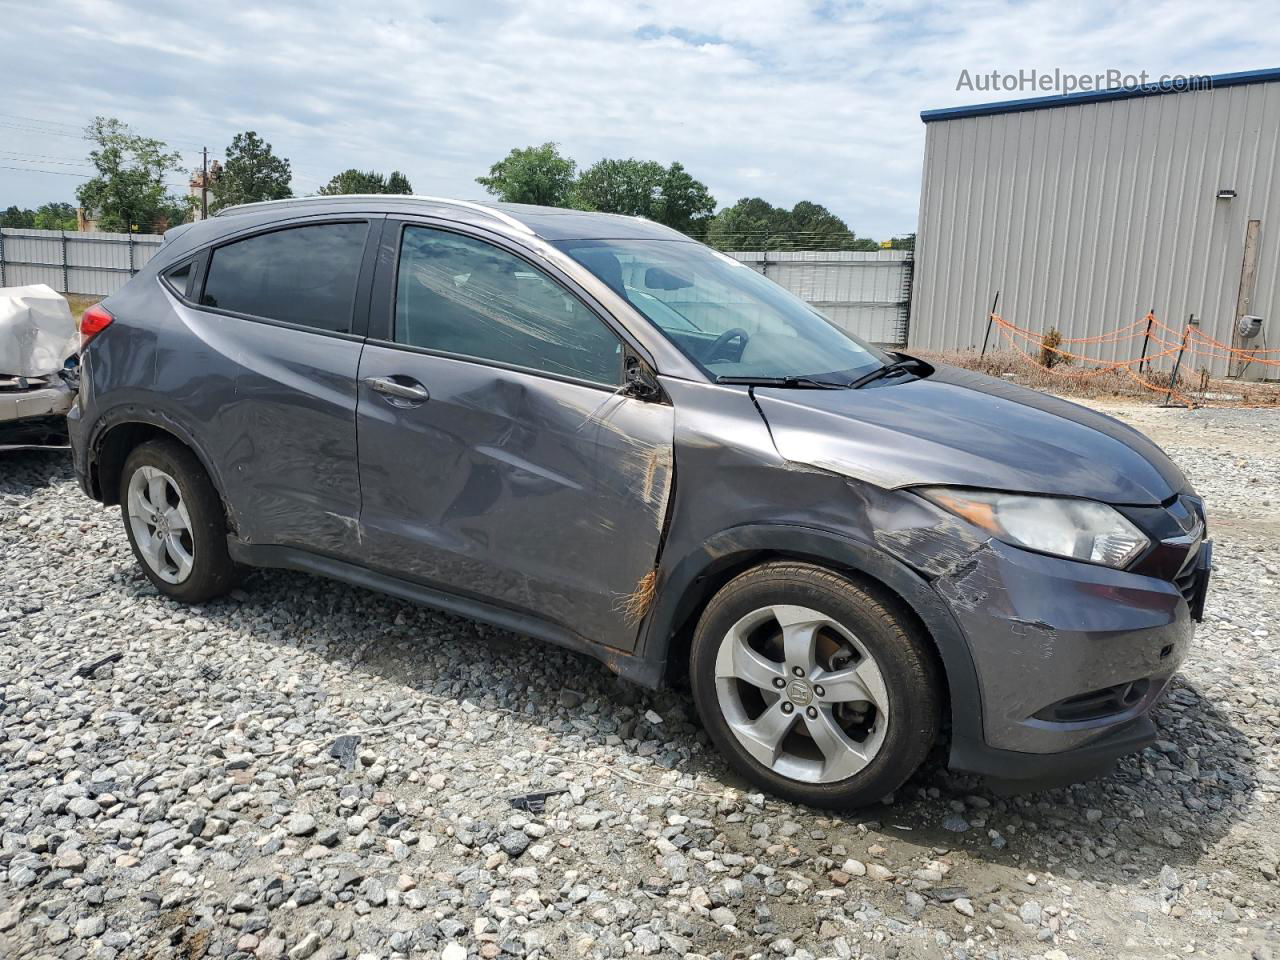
column 966, row 429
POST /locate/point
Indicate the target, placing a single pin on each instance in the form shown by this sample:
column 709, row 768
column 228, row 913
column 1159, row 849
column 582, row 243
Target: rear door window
column 462, row 296
column 300, row 275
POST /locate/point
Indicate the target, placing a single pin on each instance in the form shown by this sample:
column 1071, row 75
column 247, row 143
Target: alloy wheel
column 801, row 694
column 160, row 524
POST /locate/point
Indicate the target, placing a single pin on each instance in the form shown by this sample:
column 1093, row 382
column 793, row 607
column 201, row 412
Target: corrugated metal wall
column 864, row 292
column 92, row 263
column 1086, row 216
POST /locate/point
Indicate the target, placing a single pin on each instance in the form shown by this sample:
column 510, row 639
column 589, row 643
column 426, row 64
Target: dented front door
column 531, row 492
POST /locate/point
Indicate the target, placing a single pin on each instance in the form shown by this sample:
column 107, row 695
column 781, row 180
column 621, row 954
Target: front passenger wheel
column 174, row 521
column 814, row 686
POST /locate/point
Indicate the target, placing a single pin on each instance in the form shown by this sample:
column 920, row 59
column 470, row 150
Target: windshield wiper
column 888, row 370
column 800, row 382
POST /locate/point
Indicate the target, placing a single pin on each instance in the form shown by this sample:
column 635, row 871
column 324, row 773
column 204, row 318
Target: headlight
column 1079, row 529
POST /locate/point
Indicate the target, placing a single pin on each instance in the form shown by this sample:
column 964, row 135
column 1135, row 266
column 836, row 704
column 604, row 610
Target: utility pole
column 204, row 183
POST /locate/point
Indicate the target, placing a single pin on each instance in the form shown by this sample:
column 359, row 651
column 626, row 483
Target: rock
column 69, row 860
column 83, row 807
column 915, row 904
column 305, row 947
column 90, row 927
column 955, row 823
column 878, row 872
column 963, row 905
column 454, row 951
column 514, row 843
column 723, row 916
column 1029, row 912
column 301, row 824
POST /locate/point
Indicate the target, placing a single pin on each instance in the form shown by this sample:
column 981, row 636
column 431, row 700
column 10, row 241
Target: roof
column 1191, row 85
column 549, row 223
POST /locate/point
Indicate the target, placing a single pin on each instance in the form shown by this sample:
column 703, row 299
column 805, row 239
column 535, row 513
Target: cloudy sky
column 773, row 98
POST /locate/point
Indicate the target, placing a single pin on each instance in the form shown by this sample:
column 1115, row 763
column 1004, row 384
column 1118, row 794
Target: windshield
column 722, row 315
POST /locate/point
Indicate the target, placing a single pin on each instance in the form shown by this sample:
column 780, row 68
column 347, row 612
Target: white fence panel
column 89, row 263
column 867, row 293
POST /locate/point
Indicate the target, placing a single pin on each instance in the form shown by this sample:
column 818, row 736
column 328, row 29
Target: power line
column 52, row 123
column 36, row 158
column 82, row 176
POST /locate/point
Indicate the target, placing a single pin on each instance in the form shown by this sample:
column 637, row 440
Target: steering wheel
column 733, row 333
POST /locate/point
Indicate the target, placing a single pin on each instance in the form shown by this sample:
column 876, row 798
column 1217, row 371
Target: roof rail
column 465, row 204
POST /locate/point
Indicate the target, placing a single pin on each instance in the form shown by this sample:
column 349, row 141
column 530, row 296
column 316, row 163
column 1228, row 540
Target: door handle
column 407, row 394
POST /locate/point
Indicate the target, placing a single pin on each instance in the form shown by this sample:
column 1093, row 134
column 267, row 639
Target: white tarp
column 37, row 332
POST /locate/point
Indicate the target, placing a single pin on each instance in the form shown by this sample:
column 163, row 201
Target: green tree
column 252, row 173
column 55, row 216
column 366, row 181
column 750, row 224
column 756, row 224
column 684, row 204
column 538, row 175
column 629, row 187
column 17, row 217
column 643, row 188
column 398, row 183
column 129, row 189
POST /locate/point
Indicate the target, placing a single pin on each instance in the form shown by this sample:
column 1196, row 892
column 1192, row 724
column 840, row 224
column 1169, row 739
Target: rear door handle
column 399, row 391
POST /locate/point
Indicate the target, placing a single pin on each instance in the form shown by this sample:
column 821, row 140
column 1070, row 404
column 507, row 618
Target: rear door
column 498, row 456
column 290, row 305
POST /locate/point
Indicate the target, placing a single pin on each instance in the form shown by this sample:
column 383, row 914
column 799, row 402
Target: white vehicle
column 37, row 338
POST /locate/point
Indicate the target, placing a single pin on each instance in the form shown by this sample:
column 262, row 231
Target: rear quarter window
column 300, row 275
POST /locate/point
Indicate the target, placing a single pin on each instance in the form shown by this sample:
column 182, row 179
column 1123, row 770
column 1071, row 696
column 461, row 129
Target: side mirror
column 640, row 381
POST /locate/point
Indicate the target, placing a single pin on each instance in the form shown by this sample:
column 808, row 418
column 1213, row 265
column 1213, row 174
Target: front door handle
column 399, row 392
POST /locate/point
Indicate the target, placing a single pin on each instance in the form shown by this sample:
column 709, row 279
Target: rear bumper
column 1070, row 659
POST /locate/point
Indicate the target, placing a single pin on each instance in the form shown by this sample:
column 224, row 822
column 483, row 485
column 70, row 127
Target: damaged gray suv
column 596, row 432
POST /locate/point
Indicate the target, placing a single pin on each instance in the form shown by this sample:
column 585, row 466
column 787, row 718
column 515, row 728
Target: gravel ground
column 311, row 770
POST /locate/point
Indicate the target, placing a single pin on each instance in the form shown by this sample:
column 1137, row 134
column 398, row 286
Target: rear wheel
column 813, row 686
column 173, row 518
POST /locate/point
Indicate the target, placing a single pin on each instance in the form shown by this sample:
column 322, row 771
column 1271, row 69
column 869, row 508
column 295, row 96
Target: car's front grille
column 1185, row 578
column 1097, row 704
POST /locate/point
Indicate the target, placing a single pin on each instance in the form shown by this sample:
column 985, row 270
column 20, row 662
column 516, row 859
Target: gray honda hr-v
column 593, row 431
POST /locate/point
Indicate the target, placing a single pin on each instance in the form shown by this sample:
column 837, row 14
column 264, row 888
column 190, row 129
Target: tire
column 194, row 518
column 851, row 742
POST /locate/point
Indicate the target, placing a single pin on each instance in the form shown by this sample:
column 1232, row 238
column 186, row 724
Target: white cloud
column 781, row 99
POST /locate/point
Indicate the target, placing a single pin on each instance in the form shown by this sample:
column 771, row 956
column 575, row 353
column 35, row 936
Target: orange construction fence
column 1189, row 342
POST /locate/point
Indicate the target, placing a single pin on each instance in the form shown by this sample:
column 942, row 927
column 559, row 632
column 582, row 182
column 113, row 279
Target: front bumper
column 35, row 418
column 1070, row 658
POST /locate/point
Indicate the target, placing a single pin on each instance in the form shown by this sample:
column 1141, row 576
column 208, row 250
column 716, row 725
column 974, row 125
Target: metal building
column 1085, row 211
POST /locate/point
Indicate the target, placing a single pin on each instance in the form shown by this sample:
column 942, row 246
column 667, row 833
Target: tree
column 538, row 175
column 366, row 181
column 252, row 173
column 17, row 217
column 129, row 188
column 643, row 188
column 398, row 183
column 750, row 224
column 629, row 187
column 756, row 224
column 55, row 216
column 684, row 204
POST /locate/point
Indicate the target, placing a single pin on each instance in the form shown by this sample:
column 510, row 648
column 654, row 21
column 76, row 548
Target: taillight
column 96, row 319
